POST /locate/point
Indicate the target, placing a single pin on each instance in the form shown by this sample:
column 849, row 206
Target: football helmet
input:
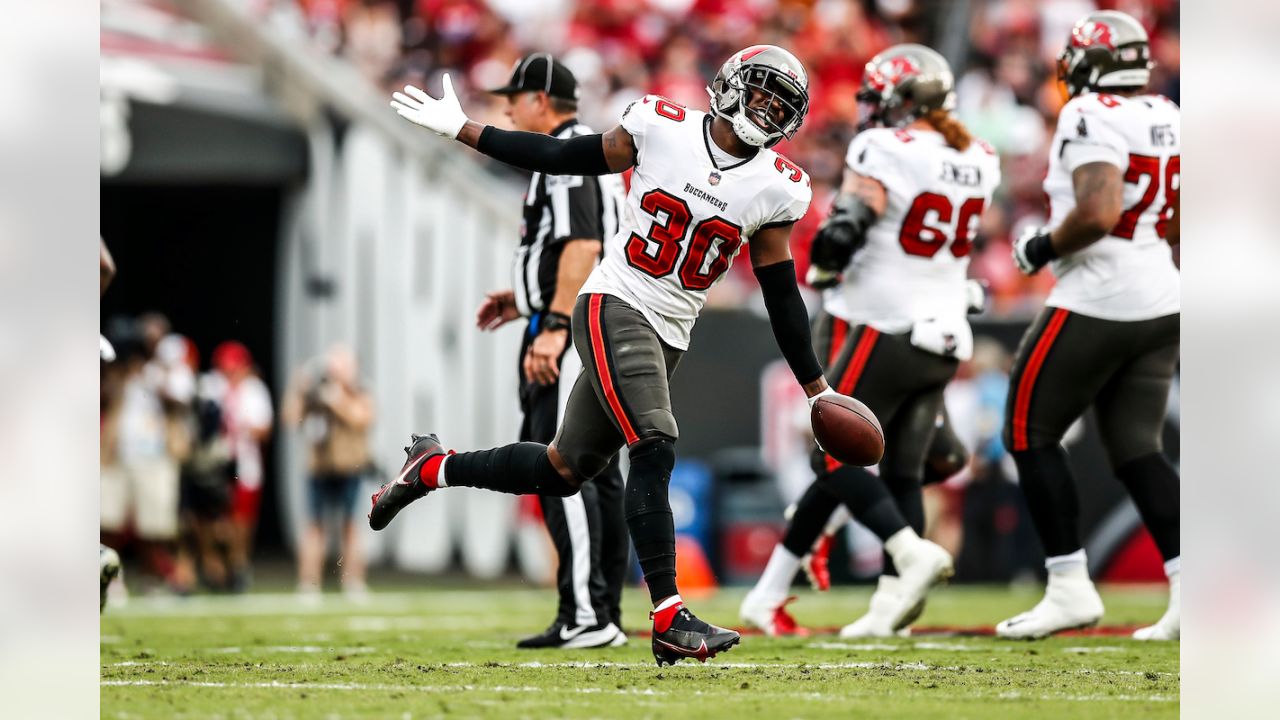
column 903, row 83
column 779, row 76
column 1106, row 49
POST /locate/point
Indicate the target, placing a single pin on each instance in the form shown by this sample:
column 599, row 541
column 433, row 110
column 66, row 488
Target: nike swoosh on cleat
column 685, row 651
column 408, row 467
column 576, row 632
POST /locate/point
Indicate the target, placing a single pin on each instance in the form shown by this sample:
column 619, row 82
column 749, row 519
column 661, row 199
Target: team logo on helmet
column 1092, row 33
column 891, row 72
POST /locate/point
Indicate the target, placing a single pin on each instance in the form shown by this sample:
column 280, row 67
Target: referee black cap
column 539, row 72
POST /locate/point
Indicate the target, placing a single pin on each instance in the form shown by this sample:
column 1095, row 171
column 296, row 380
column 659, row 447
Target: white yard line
column 381, row 687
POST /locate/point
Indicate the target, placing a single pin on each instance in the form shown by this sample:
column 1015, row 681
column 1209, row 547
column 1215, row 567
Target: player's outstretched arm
column 1099, row 191
column 776, row 271
column 604, row 154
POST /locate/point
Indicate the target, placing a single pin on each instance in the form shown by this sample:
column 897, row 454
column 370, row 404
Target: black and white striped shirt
column 559, row 208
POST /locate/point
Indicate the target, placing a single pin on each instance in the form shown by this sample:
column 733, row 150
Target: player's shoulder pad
column 651, row 108
column 793, row 189
column 1082, row 111
column 887, row 141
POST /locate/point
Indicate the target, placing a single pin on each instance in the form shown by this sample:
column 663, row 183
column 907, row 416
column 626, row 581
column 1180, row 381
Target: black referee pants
column 589, row 529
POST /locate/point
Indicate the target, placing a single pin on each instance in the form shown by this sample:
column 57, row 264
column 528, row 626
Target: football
column 847, row 430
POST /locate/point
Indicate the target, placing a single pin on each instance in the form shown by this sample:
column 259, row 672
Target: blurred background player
column 1109, row 333
column 334, row 412
column 703, row 183
column 894, row 254
column 108, row 559
column 145, row 437
column 246, row 420
column 566, row 219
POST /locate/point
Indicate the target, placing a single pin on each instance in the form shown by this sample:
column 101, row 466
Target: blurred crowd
column 182, row 459
column 619, row 50
column 183, row 466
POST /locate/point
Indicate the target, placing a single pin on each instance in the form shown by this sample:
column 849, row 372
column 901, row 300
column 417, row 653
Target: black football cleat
column 569, row 637
column 407, row 487
column 678, row 634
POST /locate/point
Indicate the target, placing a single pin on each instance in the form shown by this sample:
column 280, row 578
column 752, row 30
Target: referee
column 566, row 220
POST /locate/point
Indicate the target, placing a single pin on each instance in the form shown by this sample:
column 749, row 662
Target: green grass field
column 450, row 652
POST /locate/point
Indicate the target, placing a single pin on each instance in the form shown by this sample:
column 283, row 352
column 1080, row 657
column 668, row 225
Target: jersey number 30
column 657, row 254
column 925, row 228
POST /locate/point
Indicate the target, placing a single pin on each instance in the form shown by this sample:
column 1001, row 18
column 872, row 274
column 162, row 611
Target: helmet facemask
column 770, row 105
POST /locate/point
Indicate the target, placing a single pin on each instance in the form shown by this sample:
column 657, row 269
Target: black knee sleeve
column 811, row 516
column 1051, row 497
column 519, row 469
column 868, row 499
column 1153, row 484
column 649, row 516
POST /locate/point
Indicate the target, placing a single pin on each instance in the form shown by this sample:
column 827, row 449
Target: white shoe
column 1070, row 602
column 1169, row 626
column 619, row 640
column 770, row 616
column 921, row 566
column 879, row 620
column 604, row 637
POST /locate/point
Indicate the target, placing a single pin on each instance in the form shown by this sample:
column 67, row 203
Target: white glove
column 105, row 351
column 975, row 295
column 1029, row 250
column 828, row 391
column 443, row 117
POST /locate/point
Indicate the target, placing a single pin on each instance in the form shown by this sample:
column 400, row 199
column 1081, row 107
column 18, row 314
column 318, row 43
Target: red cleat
column 816, row 564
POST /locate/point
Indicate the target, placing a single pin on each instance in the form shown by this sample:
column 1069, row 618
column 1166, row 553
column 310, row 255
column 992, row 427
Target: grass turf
column 450, row 652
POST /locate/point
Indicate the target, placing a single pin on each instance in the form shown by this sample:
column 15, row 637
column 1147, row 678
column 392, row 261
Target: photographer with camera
column 334, row 412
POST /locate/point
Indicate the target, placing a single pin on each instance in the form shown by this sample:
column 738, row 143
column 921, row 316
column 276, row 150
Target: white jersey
column 915, row 262
column 1129, row 274
column 686, row 217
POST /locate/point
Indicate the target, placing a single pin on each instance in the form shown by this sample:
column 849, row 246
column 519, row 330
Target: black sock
column 1051, row 497
column 907, row 497
column 519, row 469
column 811, row 516
column 653, row 530
column 1153, row 484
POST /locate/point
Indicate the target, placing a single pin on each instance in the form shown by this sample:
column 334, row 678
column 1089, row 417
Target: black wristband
column 556, row 321
column 789, row 319
column 1040, row 250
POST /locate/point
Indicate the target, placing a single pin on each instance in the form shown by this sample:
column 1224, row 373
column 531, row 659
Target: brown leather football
column 847, row 430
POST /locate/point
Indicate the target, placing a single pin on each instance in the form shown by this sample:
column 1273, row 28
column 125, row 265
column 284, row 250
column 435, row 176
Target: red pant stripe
column 1026, row 384
column 602, row 370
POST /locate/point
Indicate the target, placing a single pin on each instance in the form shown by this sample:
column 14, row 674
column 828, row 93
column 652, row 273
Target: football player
column 704, row 184
column 894, row 255
column 108, row 559
column 1109, row 334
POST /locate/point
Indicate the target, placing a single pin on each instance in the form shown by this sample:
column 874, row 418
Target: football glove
column 1033, row 250
column 443, row 117
column 820, row 279
column 828, row 391
column 841, row 235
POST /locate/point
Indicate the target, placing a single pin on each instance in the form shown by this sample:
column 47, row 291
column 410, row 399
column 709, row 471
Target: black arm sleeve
column 789, row 319
column 582, row 155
